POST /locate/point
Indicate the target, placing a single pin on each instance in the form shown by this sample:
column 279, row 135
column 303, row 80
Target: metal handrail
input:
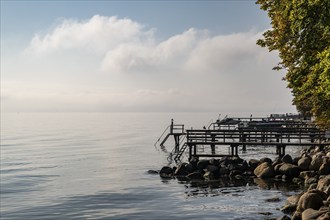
column 161, row 135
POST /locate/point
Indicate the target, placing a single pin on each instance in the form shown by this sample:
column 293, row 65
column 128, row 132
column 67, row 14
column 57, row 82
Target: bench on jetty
column 277, row 130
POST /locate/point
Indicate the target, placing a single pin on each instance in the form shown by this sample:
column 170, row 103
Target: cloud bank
column 123, row 66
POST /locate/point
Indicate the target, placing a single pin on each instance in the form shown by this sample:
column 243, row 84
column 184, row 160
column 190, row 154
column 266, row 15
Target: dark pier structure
column 278, row 131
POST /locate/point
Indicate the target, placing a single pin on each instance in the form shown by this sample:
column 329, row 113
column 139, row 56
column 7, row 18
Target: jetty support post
column 243, row 142
column 234, row 149
column 280, row 149
column 190, row 151
column 213, row 144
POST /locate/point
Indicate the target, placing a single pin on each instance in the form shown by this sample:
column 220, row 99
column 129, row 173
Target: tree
column 301, row 34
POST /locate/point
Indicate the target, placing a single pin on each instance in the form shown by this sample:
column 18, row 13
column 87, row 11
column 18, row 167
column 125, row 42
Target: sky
column 138, row 56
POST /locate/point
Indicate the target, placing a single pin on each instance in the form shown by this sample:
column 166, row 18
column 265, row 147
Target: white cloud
column 99, row 34
column 113, row 64
column 125, row 46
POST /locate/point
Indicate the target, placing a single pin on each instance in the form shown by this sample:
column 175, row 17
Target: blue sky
column 138, row 56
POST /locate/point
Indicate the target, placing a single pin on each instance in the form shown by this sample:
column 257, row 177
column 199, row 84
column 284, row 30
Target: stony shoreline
column 311, row 170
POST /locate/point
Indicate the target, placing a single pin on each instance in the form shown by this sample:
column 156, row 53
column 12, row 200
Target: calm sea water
column 95, row 166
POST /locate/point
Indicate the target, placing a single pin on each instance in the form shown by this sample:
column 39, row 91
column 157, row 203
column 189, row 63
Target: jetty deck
column 278, row 132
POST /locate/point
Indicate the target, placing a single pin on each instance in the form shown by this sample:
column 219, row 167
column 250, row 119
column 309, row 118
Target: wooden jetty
column 277, row 131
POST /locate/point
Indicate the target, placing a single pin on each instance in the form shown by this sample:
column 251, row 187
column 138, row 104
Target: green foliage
column 301, row 33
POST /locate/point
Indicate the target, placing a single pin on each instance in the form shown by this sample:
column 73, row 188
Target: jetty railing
column 277, row 130
column 279, row 137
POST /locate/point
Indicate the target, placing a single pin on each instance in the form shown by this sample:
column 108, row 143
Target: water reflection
column 228, row 185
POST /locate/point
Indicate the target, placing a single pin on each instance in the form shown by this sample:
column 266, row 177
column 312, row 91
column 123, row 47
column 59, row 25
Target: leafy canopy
column 301, row 34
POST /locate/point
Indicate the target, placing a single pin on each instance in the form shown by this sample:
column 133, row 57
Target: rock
column 309, row 200
column 287, row 159
column 253, row 164
column 237, row 160
column 266, row 159
column 325, row 216
column 275, row 199
column 189, row 168
column 311, row 180
column 323, row 195
column 327, row 190
column 195, row 176
column 325, row 167
column 223, row 171
column 296, row 216
column 311, row 214
column 291, row 204
column 153, row 172
column 289, row 170
column 316, row 162
column 323, row 183
column 212, row 168
column 193, row 161
column 264, row 170
column 294, row 199
column 202, row 164
column 209, row 175
column 236, row 167
column 214, row 162
column 297, row 180
column 295, row 160
column 304, row 163
column 181, row 170
column 166, row 172
column 238, row 177
column 312, row 186
column 307, row 174
column 277, row 168
column 284, row 217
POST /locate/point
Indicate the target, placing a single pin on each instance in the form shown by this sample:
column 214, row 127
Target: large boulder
column 289, row 170
column 324, row 183
column 287, row 159
column 202, row 164
column 316, row 162
column 266, row 159
column 304, row 162
column 325, row 216
column 311, row 214
column 309, row 200
column 264, row 170
column 325, row 167
column 253, row 163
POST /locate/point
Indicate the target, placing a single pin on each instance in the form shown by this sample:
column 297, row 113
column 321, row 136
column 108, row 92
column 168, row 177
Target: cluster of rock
column 311, row 169
column 314, row 203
